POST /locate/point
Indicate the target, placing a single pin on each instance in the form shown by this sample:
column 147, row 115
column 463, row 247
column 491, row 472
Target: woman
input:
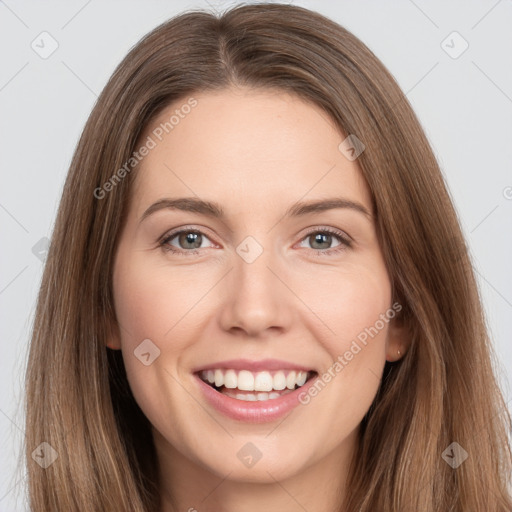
column 255, row 368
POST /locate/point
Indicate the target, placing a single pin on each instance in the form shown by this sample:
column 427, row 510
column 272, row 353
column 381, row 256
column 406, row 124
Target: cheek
column 356, row 307
column 350, row 303
column 148, row 304
column 149, row 301
column 153, row 302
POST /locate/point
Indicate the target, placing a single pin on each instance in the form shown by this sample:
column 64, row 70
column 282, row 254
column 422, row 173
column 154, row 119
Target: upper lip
column 254, row 366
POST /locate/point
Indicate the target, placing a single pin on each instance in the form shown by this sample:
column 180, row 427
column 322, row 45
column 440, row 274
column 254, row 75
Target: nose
column 257, row 300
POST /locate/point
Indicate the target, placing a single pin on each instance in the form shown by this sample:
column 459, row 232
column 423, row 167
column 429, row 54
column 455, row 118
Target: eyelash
column 345, row 242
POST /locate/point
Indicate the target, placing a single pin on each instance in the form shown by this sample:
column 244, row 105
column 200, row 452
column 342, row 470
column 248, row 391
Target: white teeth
column 253, row 397
column 290, row 380
column 245, row 381
column 219, row 378
column 279, row 381
column 230, row 379
column 247, row 398
column 301, row 378
column 263, row 382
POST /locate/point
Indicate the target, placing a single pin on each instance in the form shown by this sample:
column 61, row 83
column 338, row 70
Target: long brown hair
column 443, row 391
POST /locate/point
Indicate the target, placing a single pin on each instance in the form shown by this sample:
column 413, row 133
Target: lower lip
column 254, row 412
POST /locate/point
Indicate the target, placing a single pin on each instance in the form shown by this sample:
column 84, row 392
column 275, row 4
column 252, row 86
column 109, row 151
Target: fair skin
column 256, row 153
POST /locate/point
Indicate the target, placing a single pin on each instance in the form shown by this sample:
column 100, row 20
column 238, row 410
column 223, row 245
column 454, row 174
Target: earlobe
column 398, row 340
column 397, row 357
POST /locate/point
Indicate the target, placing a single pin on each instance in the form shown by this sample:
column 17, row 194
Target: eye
column 189, row 240
column 321, row 238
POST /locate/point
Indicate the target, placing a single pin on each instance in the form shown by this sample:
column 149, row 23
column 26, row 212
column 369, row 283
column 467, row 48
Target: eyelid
column 345, row 240
column 169, row 235
column 188, row 228
column 326, row 229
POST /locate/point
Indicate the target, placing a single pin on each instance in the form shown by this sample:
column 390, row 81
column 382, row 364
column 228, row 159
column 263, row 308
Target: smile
column 253, row 391
column 255, row 386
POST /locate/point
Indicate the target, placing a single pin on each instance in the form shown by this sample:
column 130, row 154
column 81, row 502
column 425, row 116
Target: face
column 257, row 299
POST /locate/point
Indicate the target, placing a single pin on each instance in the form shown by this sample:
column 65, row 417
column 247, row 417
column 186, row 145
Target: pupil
column 322, row 238
column 192, row 238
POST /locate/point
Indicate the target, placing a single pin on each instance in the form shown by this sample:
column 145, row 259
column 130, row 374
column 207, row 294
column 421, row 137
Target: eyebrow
column 215, row 210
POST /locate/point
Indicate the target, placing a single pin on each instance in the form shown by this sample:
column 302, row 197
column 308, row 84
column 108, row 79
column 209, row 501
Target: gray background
column 463, row 103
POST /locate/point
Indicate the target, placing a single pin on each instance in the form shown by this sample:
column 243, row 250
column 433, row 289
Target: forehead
column 262, row 147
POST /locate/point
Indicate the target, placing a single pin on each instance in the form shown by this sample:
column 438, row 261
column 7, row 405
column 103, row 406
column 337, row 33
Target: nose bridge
column 252, row 275
column 257, row 297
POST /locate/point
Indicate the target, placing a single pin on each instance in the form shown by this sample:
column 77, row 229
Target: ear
column 398, row 338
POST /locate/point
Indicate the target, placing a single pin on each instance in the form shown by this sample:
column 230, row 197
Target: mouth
column 251, row 386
